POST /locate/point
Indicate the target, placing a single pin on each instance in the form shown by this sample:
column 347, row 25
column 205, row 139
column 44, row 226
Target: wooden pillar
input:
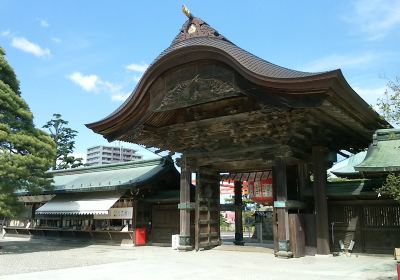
column 238, row 214
column 185, row 207
column 321, row 206
column 303, row 179
column 282, row 215
column 207, row 209
column 134, row 218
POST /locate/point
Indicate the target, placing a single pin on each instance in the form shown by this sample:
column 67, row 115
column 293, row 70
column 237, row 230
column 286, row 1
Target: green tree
column 25, row 151
column 222, row 222
column 64, row 137
column 390, row 107
column 391, row 187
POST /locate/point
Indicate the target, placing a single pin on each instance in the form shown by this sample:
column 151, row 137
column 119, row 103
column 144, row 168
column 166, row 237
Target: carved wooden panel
column 191, row 85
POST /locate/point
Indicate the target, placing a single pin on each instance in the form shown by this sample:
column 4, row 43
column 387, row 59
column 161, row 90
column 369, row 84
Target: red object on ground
column 398, row 271
column 140, row 236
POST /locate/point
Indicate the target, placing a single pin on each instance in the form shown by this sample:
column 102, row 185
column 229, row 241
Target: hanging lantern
column 260, row 188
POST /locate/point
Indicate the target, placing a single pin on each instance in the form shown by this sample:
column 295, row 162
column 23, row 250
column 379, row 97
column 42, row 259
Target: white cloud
column 110, row 86
column 93, row 83
column 371, row 94
column 5, row 33
column 375, row 18
column 56, row 40
column 119, row 96
column 43, row 23
column 137, row 67
column 25, row 45
column 88, row 83
column 337, row 61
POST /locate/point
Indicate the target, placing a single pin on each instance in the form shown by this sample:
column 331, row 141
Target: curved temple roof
column 206, row 36
column 198, row 41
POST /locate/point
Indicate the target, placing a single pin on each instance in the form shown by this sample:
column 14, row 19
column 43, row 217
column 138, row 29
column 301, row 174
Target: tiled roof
column 109, row 177
column 246, row 59
column 383, row 154
column 345, row 168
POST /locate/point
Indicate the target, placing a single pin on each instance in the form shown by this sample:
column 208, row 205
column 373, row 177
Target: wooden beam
column 207, row 122
column 231, row 153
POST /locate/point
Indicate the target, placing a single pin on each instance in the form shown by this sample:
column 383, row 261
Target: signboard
column 123, row 213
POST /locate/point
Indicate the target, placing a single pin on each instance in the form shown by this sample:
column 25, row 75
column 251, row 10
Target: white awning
column 97, row 203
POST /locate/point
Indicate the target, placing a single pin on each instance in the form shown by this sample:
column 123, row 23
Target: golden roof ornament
column 186, row 11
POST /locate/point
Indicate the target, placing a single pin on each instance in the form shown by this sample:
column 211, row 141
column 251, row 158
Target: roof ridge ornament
column 196, row 27
column 186, row 11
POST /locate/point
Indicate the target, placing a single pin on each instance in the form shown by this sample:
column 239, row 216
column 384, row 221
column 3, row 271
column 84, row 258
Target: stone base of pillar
column 284, row 254
column 284, row 249
column 238, row 239
column 183, row 248
column 185, row 243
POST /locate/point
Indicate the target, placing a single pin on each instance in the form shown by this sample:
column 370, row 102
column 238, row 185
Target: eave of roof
column 108, row 167
column 111, row 177
column 348, row 169
column 359, row 188
column 383, row 154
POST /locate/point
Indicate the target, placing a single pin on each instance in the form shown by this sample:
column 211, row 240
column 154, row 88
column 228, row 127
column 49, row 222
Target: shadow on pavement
column 36, row 245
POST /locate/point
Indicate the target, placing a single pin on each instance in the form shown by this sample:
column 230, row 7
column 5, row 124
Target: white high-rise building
column 97, row 155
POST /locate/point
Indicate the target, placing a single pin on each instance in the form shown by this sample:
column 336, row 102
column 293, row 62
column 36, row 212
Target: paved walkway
column 37, row 259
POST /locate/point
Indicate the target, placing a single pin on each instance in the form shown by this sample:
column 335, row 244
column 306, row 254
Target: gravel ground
column 40, row 259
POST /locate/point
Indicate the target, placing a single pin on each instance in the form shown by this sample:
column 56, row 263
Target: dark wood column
column 321, row 207
column 185, row 206
column 207, row 209
column 134, row 217
column 238, row 214
column 303, row 179
column 282, row 215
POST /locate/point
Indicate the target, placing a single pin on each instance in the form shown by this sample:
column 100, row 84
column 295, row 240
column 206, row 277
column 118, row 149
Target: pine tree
column 25, row 152
column 64, row 137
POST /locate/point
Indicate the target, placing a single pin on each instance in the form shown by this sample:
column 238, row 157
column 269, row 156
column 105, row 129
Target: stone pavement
column 40, row 259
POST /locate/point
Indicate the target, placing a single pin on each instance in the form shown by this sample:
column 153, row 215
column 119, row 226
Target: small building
column 107, row 202
column 101, row 154
column 356, row 210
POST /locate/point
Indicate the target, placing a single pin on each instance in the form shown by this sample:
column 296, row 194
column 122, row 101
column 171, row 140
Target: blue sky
column 83, row 58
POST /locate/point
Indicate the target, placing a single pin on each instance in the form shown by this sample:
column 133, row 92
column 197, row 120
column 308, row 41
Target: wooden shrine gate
column 373, row 225
column 226, row 110
column 207, row 210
